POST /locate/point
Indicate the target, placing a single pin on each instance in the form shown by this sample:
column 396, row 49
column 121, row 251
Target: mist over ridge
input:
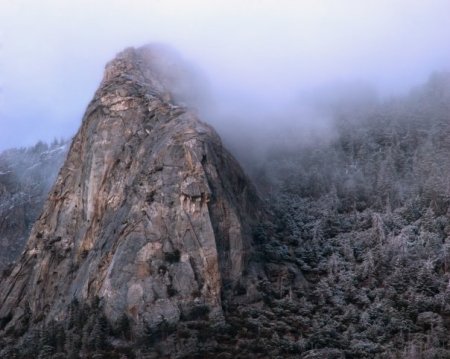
column 262, row 60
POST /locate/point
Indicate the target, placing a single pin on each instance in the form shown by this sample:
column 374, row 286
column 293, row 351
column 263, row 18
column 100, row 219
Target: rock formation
column 149, row 214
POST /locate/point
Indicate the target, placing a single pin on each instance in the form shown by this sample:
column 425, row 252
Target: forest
column 365, row 216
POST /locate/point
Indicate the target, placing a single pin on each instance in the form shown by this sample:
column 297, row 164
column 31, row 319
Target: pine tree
column 30, row 344
column 46, row 352
column 73, row 345
column 124, row 327
column 98, row 334
column 60, row 337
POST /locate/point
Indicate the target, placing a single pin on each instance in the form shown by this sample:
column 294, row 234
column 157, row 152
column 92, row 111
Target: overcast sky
column 52, row 53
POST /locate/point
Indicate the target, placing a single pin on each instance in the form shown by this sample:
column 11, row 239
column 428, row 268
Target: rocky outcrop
column 149, row 214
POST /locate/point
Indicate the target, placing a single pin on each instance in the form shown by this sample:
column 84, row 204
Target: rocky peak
column 149, row 215
column 158, row 69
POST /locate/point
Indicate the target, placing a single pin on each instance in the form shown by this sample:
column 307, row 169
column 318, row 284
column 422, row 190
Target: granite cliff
column 150, row 217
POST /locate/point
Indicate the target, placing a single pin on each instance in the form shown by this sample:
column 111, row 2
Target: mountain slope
column 26, row 176
column 368, row 212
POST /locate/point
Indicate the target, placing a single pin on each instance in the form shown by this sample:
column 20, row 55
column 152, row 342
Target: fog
column 265, row 61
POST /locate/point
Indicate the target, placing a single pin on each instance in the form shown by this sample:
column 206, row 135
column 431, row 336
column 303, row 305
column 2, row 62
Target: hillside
column 367, row 215
column 26, row 176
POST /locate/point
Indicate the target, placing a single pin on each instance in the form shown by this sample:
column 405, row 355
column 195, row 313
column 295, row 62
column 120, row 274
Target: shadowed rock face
column 149, row 213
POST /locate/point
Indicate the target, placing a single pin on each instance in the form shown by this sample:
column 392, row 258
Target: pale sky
column 52, row 53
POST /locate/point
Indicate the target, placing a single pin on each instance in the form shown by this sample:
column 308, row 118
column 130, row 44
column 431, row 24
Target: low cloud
column 264, row 60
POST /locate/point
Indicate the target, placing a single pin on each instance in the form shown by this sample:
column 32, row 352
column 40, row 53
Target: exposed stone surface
column 149, row 213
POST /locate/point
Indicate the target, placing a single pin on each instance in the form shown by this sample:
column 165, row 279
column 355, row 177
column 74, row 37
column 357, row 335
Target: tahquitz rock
column 149, row 213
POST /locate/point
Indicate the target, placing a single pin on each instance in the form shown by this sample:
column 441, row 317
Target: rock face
column 149, row 214
column 26, row 176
